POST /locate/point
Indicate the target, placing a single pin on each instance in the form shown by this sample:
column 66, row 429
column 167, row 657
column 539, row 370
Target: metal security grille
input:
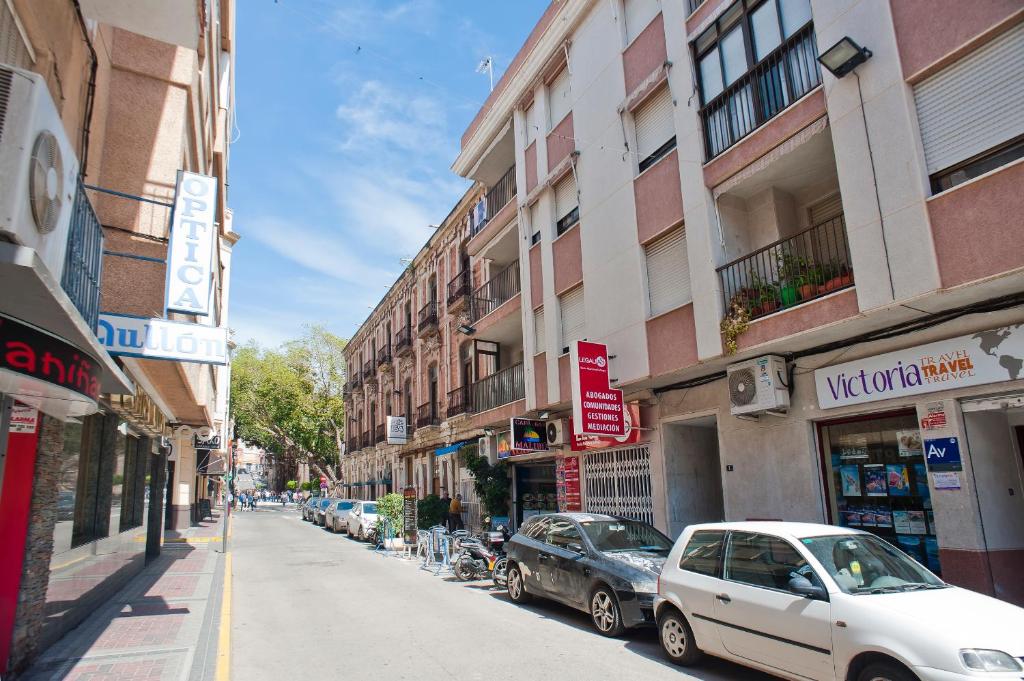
column 618, row 482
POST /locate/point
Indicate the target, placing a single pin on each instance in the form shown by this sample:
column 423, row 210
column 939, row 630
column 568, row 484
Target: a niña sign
column 29, row 352
column 162, row 339
column 190, row 255
column 597, row 408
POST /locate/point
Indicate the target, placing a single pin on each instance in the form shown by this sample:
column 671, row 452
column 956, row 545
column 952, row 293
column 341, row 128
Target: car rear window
column 345, row 505
column 703, row 553
column 370, row 508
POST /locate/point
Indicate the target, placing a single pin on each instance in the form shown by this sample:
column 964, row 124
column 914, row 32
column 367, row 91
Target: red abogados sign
column 582, row 443
column 597, row 408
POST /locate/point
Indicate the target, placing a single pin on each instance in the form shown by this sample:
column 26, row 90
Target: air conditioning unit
column 758, row 387
column 558, row 432
column 486, row 448
column 38, row 169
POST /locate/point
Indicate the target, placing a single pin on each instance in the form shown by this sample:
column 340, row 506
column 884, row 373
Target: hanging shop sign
column 597, row 408
column 397, row 433
column 582, row 443
column 193, row 236
column 984, row 357
column 163, row 339
column 33, row 353
column 210, row 442
column 24, row 419
column 528, row 435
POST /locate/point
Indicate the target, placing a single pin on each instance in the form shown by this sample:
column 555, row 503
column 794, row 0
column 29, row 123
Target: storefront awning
column 441, row 451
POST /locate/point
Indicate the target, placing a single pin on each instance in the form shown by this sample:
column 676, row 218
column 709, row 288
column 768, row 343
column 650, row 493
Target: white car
column 806, row 601
column 336, row 516
column 361, row 519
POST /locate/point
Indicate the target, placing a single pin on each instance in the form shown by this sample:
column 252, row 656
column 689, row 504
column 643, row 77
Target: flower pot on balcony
column 789, row 294
column 766, row 307
column 841, row 281
column 808, row 291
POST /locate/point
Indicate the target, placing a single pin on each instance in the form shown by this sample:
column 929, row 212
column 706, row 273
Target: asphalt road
column 307, row 603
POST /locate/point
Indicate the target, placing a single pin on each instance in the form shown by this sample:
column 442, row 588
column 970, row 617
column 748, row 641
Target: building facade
column 102, row 452
column 695, row 190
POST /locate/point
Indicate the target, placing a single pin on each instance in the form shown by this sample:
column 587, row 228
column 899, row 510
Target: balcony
column 352, row 445
column 427, row 319
column 384, row 357
column 808, row 265
column 410, row 426
column 499, row 289
column 458, row 401
column 780, row 79
column 427, row 416
column 82, row 264
column 498, row 196
column 369, row 371
column 378, row 434
column 364, row 440
column 502, row 387
column 357, row 378
column 458, row 291
column 403, row 342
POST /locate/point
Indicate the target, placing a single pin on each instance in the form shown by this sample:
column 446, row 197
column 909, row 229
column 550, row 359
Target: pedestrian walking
column 446, row 518
column 455, row 513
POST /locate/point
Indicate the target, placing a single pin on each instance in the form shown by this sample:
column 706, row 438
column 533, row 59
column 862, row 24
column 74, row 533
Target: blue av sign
column 943, row 454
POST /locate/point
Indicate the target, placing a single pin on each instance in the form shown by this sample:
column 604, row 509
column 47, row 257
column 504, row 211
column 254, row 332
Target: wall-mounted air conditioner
column 558, row 432
column 38, row 168
column 758, row 386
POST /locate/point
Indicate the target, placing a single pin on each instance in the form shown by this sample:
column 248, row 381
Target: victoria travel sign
column 980, row 358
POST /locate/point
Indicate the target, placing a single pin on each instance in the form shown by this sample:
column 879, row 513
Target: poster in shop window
column 567, row 483
column 874, row 480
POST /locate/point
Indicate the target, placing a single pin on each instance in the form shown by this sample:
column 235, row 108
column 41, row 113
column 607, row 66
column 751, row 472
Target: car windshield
column 325, row 503
column 611, row 536
column 345, row 505
column 865, row 564
column 370, row 508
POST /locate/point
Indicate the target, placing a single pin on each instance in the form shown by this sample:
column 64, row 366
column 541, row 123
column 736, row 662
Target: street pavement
column 310, row 603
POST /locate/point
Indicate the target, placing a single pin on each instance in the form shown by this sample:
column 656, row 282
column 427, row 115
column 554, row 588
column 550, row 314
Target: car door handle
column 724, row 598
column 543, row 556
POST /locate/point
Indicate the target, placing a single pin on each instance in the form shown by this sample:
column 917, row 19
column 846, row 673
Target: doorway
column 693, row 473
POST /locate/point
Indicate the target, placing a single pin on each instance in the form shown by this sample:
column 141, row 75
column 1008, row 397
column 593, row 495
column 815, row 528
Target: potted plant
column 792, row 271
column 390, row 506
column 812, row 279
column 733, row 325
column 841, row 277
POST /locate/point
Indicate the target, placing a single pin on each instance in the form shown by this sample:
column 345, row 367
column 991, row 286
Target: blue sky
column 349, row 117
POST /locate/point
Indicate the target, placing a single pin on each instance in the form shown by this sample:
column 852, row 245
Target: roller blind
column 531, row 124
column 559, row 103
column 574, row 316
column 565, row 196
column 654, row 123
column 639, row 13
column 973, row 105
column 539, row 343
column 826, row 209
column 668, row 272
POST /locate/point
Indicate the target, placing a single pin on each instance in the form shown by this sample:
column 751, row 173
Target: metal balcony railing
column 369, row 370
column 352, row 444
column 458, row 287
column 357, row 378
column 501, row 387
column 495, row 292
column 378, row 434
column 503, row 191
column 83, row 263
column 384, row 356
column 458, row 401
column 427, row 316
column 410, row 425
column 403, row 341
column 427, row 415
column 784, row 76
column 803, row 267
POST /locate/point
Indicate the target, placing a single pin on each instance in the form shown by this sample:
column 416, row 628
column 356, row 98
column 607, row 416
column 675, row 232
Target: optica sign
column 190, row 255
column 597, row 408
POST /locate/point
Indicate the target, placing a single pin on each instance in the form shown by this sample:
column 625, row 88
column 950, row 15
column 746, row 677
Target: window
column 972, row 112
column 539, row 342
column 827, row 209
column 668, row 272
column 703, row 553
column 537, row 528
column 567, row 207
column 761, row 560
column 535, row 222
column 573, row 317
column 655, row 128
column 562, row 532
column 639, row 13
column 532, row 124
column 559, row 102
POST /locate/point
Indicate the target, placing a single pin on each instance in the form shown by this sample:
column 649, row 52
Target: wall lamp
column 466, row 329
column 544, row 415
column 844, row 57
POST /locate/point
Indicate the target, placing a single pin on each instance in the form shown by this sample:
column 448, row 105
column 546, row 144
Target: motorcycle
column 478, row 558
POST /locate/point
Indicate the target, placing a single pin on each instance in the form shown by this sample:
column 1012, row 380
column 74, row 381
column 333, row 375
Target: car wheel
column 362, row 535
column 885, row 671
column 500, row 574
column 517, row 585
column 677, row 638
column 604, row 611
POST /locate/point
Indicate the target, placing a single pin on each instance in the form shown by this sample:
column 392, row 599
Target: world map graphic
column 990, row 343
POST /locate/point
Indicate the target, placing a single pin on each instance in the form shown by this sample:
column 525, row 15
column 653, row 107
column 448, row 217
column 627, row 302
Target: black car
column 599, row 564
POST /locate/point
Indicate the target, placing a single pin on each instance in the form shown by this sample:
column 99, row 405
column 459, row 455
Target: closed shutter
column 826, row 209
column 668, row 272
column 639, row 13
column 574, row 316
column 531, row 124
column 973, row 105
column 565, row 196
column 654, row 123
column 559, row 103
column 539, row 343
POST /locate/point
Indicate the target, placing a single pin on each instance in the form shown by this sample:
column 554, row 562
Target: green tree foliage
column 289, row 400
column 492, row 483
column 430, row 511
column 292, row 484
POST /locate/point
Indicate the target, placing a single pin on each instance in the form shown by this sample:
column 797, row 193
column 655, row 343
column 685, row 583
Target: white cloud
column 363, row 20
column 379, row 116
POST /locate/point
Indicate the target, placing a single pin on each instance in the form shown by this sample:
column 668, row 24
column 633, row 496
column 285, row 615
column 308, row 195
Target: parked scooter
column 483, row 557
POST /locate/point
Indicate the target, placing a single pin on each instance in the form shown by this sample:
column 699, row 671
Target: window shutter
column 539, row 342
column 531, row 124
column 558, row 98
column 654, row 124
column 826, row 209
column 535, row 224
column 565, row 196
column 574, row 316
column 973, row 105
column 668, row 272
column 639, row 13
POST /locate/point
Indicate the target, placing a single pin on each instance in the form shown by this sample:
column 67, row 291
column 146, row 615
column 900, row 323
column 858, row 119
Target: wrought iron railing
column 352, row 444
column 83, row 263
column 503, row 191
column 803, row 267
column 410, row 425
column 501, row 387
column 427, row 415
column 384, row 356
column 458, row 401
column 495, row 292
column 784, row 76
column 692, row 5
column 378, row 434
column 369, row 370
column 458, row 287
column 427, row 316
column 357, row 378
column 403, row 340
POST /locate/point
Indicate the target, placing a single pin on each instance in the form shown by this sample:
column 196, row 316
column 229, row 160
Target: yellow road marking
column 223, row 672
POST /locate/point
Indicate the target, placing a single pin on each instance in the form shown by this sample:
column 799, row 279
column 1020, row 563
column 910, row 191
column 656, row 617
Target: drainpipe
column 90, row 95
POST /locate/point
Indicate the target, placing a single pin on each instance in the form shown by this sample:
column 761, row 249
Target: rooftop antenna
column 486, row 65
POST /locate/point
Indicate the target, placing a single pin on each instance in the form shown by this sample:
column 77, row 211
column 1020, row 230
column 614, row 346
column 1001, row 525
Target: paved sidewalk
column 161, row 625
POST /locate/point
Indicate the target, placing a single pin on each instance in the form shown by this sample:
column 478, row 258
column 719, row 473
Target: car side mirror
column 802, row 586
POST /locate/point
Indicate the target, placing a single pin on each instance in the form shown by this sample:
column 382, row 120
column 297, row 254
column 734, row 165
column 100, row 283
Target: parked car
column 309, row 508
column 599, row 564
column 807, row 601
column 337, row 514
column 361, row 519
column 320, row 510
column 66, row 505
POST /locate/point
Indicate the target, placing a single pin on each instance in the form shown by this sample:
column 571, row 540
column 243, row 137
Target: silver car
column 336, row 519
column 361, row 519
